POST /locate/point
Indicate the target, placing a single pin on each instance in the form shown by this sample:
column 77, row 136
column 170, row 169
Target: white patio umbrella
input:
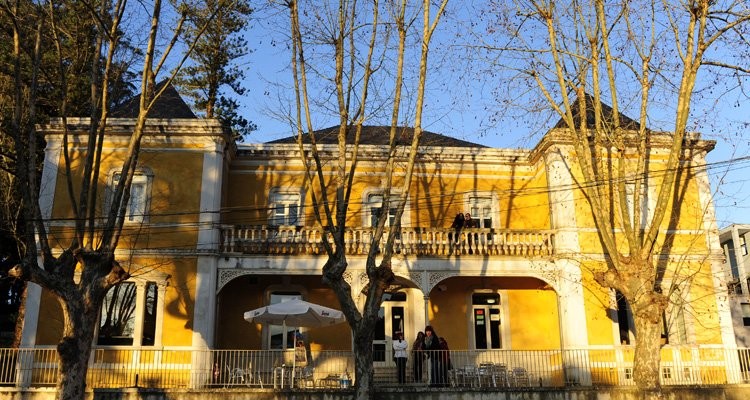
column 295, row 313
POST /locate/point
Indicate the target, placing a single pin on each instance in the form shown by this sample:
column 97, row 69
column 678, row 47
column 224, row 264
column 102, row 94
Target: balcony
column 436, row 242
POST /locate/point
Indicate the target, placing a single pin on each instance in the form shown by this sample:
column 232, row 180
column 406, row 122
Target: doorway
column 390, row 320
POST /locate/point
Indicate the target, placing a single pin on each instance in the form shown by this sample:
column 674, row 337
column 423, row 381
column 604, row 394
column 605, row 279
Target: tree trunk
column 647, row 351
column 74, row 350
column 363, row 370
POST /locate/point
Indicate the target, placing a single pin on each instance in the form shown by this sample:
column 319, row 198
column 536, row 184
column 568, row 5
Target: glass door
column 390, row 321
column 486, row 320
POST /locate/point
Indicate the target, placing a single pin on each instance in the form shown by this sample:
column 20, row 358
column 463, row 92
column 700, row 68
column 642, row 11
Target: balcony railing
column 275, row 369
column 410, row 241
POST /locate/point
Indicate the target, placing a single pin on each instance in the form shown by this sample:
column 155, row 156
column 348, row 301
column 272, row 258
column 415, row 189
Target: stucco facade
column 229, row 227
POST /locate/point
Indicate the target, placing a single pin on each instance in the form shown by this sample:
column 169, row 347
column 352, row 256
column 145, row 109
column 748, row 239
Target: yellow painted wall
column 437, row 193
column 533, row 319
column 249, row 292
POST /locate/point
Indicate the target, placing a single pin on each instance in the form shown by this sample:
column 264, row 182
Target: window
column 481, row 210
column 624, row 319
column 674, row 327
column 139, row 195
column 646, row 208
column 284, row 209
column 129, row 315
column 486, row 320
column 278, row 337
column 743, row 245
column 375, row 204
column 745, row 314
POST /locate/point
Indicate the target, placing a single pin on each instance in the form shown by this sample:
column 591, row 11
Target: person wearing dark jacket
column 418, row 357
column 434, row 352
column 458, row 224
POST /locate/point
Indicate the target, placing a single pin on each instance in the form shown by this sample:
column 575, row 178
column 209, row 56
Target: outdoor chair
column 520, row 377
column 240, row 376
column 500, row 375
column 305, row 378
column 235, row 376
column 486, row 374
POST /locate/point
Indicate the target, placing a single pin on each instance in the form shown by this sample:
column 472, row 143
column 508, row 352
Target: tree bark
column 647, row 321
column 363, row 370
column 75, row 348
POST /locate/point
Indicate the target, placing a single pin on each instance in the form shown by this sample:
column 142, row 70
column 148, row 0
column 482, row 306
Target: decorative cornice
column 285, row 152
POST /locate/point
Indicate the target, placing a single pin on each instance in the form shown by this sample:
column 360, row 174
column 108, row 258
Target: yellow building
column 217, row 228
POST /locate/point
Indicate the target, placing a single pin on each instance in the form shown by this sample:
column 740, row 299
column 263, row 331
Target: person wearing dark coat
column 418, row 357
column 435, row 352
column 457, row 225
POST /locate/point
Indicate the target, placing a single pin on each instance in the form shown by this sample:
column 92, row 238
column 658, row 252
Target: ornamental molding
column 227, row 275
column 436, row 277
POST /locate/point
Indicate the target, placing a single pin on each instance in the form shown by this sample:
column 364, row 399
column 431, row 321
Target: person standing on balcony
column 399, row 355
column 432, row 347
column 418, row 357
column 458, row 224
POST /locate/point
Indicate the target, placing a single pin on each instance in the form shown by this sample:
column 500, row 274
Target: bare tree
column 644, row 57
column 351, row 76
column 79, row 274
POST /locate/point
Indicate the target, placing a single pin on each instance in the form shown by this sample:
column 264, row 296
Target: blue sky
column 462, row 103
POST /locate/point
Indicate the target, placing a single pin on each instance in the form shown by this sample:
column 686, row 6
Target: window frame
column 503, row 311
column 368, row 207
column 492, row 199
column 273, row 203
column 268, row 296
column 745, row 310
column 159, row 282
column 142, row 177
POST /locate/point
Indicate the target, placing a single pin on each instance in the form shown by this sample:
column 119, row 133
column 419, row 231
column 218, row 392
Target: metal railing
column 304, row 370
column 417, row 241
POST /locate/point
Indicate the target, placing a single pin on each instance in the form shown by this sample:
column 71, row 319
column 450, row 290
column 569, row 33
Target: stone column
column 33, row 291
column 572, row 311
column 204, row 311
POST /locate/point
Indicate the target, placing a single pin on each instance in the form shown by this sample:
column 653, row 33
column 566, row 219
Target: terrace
column 437, row 242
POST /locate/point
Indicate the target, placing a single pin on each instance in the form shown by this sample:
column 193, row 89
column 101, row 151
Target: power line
column 415, row 203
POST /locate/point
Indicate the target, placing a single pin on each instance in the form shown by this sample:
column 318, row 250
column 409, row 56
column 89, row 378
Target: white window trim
column 647, row 206
column 504, row 319
column 494, row 209
column 162, row 281
column 287, row 190
column 673, row 333
column 395, row 195
column 144, row 174
column 265, row 328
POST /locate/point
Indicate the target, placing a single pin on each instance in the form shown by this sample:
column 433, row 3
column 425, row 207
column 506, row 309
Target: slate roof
column 379, row 135
column 169, row 105
column 607, row 113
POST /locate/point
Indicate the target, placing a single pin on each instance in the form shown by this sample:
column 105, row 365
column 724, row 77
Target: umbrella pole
column 294, row 358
